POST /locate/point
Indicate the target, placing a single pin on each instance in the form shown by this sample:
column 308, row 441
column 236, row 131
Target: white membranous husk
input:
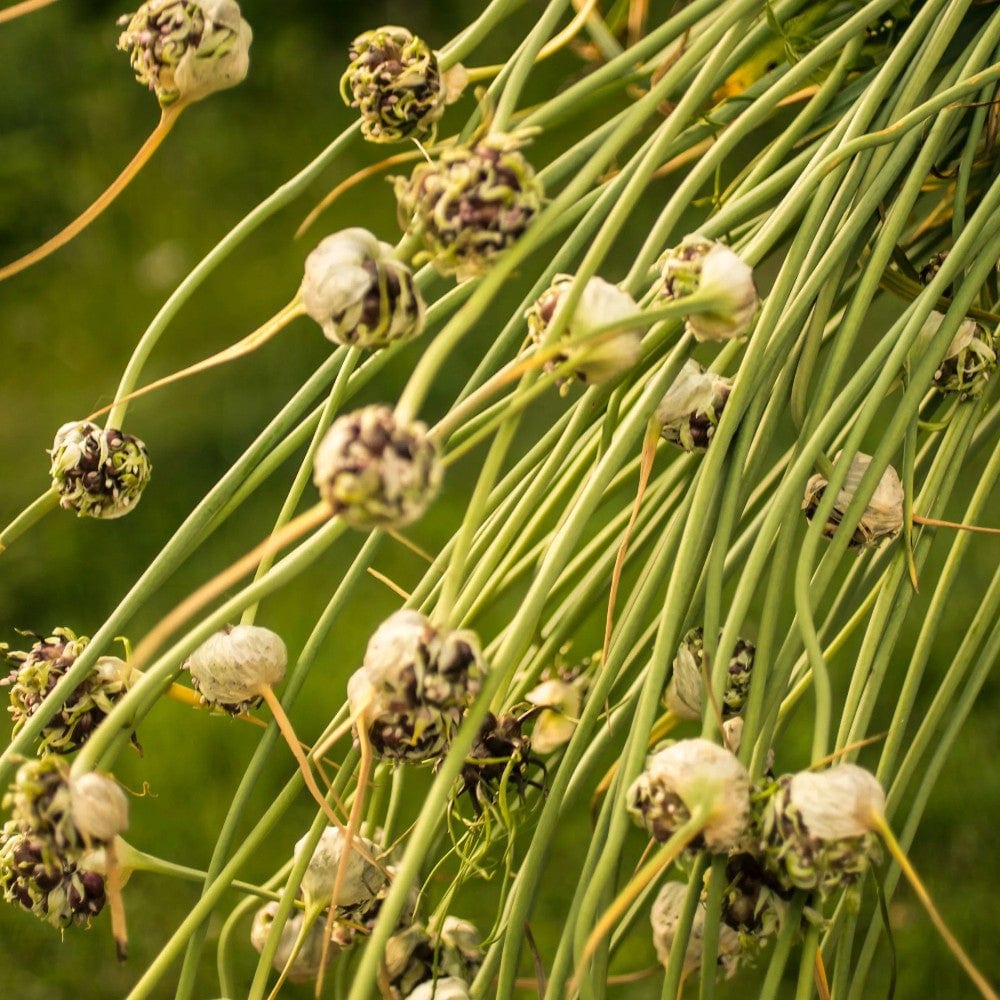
column 817, row 829
column 692, row 407
column 685, row 693
column 230, row 668
column 664, row 917
column 359, row 293
column 414, row 686
column 882, row 518
column 308, row 961
column 363, row 880
column 692, row 775
column 448, row 988
column 967, row 362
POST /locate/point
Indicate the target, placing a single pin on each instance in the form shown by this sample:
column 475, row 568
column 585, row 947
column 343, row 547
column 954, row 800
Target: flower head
column 394, row 80
column 817, row 829
column 414, row 686
column 36, row 672
column 501, row 748
column 229, row 668
column 685, row 693
column 362, row 883
column 692, row 407
column 703, row 266
column 415, row 955
column 882, row 518
column 98, row 473
column 470, row 204
column 183, row 50
column 375, row 471
column 448, row 988
column 600, row 304
column 359, row 293
column 968, row 360
column 664, row 918
column 307, row 963
column 692, row 776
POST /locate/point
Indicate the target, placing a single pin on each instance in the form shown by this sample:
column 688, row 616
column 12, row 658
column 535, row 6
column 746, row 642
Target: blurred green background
column 70, row 117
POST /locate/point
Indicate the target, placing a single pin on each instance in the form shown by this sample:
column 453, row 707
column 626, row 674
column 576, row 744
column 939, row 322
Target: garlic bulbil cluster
column 968, row 361
column 664, row 917
column 414, row 686
column 692, row 407
column 685, row 692
column 96, row 472
column 183, row 51
column 376, row 471
column 470, row 204
column 359, row 293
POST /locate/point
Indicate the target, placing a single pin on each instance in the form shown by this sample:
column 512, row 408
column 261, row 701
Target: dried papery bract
column 968, row 361
column 448, row 988
column 664, row 918
column 184, row 50
column 415, row 955
column 882, row 518
column 692, row 407
column 470, row 204
column 414, row 686
column 303, row 964
column 560, row 699
column 359, row 293
column 37, row 671
column 685, row 692
column 375, row 470
column 601, row 304
column 689, row 775
column 96, row 472
column 362, row 880
column 394, row 80
column 231, row 668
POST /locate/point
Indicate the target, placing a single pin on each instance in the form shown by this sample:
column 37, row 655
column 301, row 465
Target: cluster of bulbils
column 814, row 831
column 50, row 848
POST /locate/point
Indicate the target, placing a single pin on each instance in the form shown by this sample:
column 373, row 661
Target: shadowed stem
column 28, row 517
column 167, row 119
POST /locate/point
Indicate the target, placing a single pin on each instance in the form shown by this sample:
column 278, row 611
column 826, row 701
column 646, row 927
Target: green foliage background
column 70, row 116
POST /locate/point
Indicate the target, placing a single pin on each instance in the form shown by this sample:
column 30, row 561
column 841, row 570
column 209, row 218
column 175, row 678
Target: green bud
column 98, row 473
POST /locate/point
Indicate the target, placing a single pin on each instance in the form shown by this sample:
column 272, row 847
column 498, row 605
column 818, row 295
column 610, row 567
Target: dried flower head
column 693, row 776
column 601, row 303
column 307, row 963
column 449, row 988
column 414, row 686
column 560, row 696
column 45, row 881
column 394, row 80
column 692, row 407
column 363, row 880
column 98, row 473
column 359, row 293
column 753, row 901
column 230, row 668
column 375, row 471
column 703, row 266
column 72, row 815
column 470, row 204
column 968, row 360
column 664, row 917
column 817, row 830
column 882, row 518
column 415, row 955
column 184, row 51
column 36, row 672
column 501, row 748
column 685, row 693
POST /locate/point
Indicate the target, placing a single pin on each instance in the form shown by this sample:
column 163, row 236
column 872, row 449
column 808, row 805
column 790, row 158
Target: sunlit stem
column 185, row 696
column 881, row 826
column 25, row 7
column 189, row 607
column 240, row 349
column 114, row 883
column 933, row 522
column 672, row 849
column 308, row 920
column 822, row 983
column 167, row 119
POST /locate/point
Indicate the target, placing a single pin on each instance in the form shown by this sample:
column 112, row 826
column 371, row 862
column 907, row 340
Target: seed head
column 375, row 471
column 184, row 51
column 685, row 693
column 98, row 473
column 968, row 360
column 47, row 882
column 560, row 697
column 230, row 668
column 817, row 828
column 501, row 748
column 362, row 883
column 665, row 916
column 470, row 204
column 692, row 407
column 359, row 293
column 687, row 776
column 36, row 672
column 883, row 517
column 308, row 961
column 701, row 265
column 394, row 80
column 415, row 955
column 600, row 304
column 414, row 686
